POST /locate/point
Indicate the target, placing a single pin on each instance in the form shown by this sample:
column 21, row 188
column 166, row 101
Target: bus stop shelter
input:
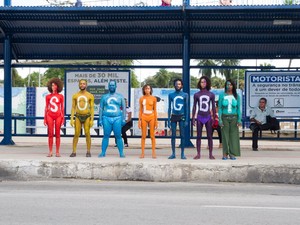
column 178, row 32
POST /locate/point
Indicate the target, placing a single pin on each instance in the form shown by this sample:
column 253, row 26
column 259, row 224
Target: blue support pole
column 7, row 2
column 7, row 140
column 186, row 2
column 186, row 85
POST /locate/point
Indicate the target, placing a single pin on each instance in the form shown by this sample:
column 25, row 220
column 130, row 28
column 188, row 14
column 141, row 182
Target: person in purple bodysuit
column 204, row 99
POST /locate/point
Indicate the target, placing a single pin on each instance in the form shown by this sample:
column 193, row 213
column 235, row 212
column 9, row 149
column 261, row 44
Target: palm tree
column 227, row 72
column 207, row 71
column 162, row 78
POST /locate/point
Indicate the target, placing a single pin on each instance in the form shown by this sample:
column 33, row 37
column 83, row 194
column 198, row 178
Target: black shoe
column 254, row 149
column 126, row 145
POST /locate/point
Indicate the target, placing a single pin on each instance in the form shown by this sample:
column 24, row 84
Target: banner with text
column 281, row 89
column 97, row 85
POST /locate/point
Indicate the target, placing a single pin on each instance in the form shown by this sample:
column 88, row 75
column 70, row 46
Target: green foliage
column 51, row 73
column 266, row 65
column 165, row 79
column 207, row 71
column 240, row 76
column 227, row 73
column 134, row 81
column 162, row 78
column 17, row 80
column 60, row 72
column 290, row 2
column 32, row 80
column 194, row 82
column 217, row 82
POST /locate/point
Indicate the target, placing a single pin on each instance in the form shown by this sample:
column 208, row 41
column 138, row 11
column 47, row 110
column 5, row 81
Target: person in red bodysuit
column 54, row 113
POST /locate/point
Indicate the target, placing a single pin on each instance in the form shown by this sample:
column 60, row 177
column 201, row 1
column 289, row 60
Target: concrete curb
column 151, row 171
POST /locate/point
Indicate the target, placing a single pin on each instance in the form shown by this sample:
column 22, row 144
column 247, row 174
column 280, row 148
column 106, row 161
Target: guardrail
column 290, row 129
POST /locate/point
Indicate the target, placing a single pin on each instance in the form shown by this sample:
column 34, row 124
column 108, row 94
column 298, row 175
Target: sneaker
column 126, row 145
column 254, row 149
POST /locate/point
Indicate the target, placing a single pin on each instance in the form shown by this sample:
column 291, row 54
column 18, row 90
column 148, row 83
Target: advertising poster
column 281, row 89
column 18, row 108
column 97, row 85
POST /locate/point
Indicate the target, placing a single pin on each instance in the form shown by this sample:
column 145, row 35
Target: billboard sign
column 281, row 89
column 97, row 85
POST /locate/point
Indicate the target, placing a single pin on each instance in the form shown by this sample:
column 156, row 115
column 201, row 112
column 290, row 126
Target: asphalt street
column 101, row 202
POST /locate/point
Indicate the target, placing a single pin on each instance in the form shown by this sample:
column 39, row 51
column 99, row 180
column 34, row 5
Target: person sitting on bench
column 258, row 120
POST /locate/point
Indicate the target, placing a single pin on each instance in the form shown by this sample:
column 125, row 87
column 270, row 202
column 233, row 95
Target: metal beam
column 7, row 140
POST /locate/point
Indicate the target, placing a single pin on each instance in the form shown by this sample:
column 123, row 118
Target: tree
column 217, row 82
column 207, row 71
column 150, row 81
column 162, row 78
column 194, row 82
column 239, row 77
column 228, row 73
column 32, row 80
column 134, row 81
column 266, row 65
column 53, row 72
column 17, row 80
column 60, row 72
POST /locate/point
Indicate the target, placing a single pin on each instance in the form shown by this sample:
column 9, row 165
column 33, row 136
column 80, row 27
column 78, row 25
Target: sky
column 142, row 74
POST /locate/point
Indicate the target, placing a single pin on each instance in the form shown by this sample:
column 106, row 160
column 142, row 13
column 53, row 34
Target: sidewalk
column 276, row 161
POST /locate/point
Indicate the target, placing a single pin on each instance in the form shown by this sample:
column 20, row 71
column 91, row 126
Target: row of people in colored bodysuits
column 112, row 116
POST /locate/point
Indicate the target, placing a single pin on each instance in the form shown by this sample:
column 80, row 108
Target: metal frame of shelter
column 178, row 32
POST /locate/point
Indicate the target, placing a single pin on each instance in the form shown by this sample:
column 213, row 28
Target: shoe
column 116, row 146
column 126, row 145
column 73, row 154
column 232, row 157
column 224, row 158
column 88, row 154
column 254, row 149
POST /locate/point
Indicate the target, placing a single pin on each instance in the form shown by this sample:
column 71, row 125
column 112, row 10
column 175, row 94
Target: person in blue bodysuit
column 112, row 117
column 204, row 99
column 178, row 113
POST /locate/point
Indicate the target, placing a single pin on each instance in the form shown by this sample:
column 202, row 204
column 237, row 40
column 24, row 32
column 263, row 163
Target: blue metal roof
column 241, row 32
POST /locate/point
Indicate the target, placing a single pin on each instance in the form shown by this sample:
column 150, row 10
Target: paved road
column 100, row 202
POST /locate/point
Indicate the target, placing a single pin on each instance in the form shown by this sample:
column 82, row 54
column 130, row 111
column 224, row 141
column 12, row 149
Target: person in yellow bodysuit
column 147, row 116
column 82, row 114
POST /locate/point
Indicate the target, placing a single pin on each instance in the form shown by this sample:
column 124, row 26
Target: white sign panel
column 281, row 89
column 97, row 85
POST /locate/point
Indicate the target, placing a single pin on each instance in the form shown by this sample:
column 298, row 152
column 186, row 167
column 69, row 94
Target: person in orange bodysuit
column 54, row 113
column 83, row 110
column 147, row 116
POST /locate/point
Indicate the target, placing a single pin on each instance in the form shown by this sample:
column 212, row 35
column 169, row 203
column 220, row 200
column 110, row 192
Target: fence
column 290, row 130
